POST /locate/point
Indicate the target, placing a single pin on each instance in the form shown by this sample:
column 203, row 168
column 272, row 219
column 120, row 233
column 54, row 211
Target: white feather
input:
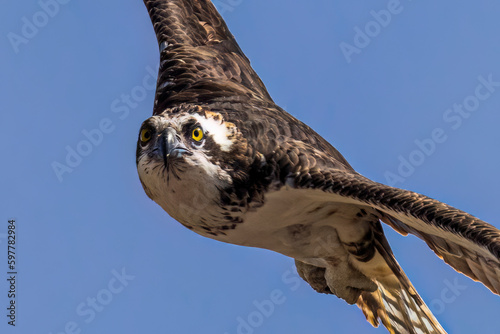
column 217, row 130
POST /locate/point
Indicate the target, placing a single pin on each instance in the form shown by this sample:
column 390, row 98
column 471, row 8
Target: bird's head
column 188, row 157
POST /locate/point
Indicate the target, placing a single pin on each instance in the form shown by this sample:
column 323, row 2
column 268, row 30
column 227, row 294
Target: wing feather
column 200, row 61
column 468, row 244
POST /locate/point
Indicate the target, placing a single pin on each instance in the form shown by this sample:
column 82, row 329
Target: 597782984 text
column 12, row 273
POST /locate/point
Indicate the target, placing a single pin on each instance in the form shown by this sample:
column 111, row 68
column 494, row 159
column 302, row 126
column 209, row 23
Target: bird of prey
column 220, row 157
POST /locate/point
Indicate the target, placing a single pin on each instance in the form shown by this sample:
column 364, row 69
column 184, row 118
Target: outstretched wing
column 465, row 242
column 200, row 60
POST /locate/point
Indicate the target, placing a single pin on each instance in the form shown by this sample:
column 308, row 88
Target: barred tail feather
column 396, row 303
column 399, row 311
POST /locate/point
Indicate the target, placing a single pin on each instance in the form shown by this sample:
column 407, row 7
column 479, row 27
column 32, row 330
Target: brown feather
column 465, row 242
column 200, row 60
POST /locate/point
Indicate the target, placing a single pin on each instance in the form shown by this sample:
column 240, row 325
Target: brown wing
column 200, row 60
column 465, row 242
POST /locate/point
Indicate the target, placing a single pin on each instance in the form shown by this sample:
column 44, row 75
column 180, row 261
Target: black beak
column 170, row 144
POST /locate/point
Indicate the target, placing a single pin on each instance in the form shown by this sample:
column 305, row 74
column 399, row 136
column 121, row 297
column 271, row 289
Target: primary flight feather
column 223, row 159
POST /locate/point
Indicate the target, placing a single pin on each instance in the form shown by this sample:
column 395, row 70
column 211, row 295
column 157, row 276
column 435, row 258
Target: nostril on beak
column 171, row 144
column 169, row 141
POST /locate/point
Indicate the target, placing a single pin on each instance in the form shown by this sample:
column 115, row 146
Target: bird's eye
column 145, row 136
column 197, row 134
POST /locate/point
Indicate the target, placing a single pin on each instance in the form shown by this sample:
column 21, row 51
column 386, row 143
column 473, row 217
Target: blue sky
column 95, row 255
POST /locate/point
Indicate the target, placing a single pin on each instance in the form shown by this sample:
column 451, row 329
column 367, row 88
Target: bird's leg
column 313, row 275
column 347, row 282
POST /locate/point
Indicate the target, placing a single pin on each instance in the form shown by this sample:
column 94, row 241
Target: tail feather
column 399, row 311
column 372, row 305
column 396, row 303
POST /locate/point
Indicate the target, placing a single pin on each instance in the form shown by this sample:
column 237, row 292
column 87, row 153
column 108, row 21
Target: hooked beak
column 170, row 145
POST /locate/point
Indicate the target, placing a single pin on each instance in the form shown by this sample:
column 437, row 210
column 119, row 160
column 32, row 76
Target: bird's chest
column 192, row 200
column 297, row 223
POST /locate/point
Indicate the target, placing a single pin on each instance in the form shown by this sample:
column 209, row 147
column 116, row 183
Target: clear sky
column 383, row 81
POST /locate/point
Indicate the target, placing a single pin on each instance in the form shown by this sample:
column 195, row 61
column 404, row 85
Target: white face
column 177, row 165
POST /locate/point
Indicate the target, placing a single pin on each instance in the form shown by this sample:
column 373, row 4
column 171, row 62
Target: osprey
column 220, row 157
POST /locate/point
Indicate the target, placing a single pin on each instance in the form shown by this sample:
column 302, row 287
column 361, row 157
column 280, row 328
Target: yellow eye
column 145, row 135
column 197, row 134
